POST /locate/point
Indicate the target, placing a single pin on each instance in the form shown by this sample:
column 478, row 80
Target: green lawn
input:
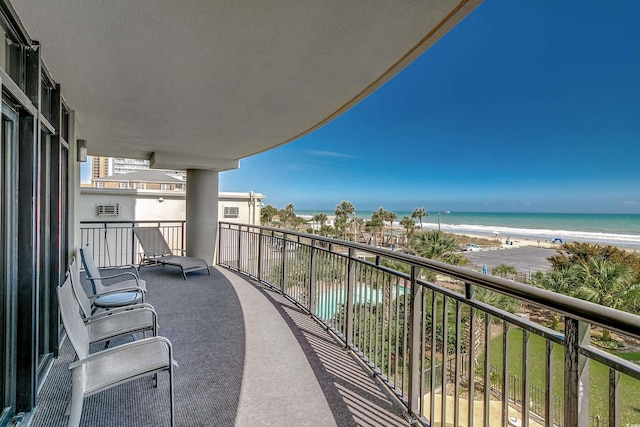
column 629, row 391
column 633, row 356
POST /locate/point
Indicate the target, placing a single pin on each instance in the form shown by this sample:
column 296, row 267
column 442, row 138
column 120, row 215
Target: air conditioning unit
column 231, row 211
column 108, row 210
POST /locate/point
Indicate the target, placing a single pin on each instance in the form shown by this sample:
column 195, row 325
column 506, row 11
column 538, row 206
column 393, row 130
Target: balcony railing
column 404, row 315
column 113, row 242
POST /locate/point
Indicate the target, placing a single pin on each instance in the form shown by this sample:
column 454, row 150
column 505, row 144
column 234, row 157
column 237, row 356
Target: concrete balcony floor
column 246, row 356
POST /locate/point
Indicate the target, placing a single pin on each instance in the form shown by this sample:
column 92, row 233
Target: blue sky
column 529, row 106
column 525, row 106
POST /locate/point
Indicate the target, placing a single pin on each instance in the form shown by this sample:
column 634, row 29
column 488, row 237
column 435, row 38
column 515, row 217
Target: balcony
column 246, row 356
column 263, row 341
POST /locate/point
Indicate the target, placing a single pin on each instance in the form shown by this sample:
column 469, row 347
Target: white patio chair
column 104, row 326
column 93, row 373
column 122, row 293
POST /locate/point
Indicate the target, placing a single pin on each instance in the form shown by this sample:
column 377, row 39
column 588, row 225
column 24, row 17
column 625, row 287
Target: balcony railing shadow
column 246, row 356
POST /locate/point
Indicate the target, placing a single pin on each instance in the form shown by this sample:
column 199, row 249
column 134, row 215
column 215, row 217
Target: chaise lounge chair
column 155, row 250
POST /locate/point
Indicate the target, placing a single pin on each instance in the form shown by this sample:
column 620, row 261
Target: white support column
column 202, row 213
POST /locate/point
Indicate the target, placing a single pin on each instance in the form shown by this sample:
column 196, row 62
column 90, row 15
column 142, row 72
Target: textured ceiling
column 202, row 84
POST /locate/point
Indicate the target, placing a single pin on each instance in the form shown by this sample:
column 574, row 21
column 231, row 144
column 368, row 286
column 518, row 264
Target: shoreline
column 619, row 230
column 523, row 239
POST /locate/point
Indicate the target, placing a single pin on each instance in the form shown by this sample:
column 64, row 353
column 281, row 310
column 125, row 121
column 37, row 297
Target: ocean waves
column 616, row 239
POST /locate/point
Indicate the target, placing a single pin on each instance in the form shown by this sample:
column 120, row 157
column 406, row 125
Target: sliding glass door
column 8, row 269
column 45, row 232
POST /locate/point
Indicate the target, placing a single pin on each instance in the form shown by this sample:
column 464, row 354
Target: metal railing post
column 312, row 278
column 260, row 255
column 576, row 374
column 471, row 353
column 182, row 237
column 415, row 346
column 614, row 398
column 506, row 384
column 283, row 287
column 239, row 246
column 469, row 291
column 219, row 242
column 351, row 279
column 526, row 398
column 549, row 396
column 133, row 244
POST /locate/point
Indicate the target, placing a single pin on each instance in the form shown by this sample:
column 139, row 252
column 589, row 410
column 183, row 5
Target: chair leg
column 77, row 397
column 184, row 275
column 171, row 404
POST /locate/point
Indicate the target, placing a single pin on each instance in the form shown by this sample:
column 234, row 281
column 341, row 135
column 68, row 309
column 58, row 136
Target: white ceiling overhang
column 202, row 84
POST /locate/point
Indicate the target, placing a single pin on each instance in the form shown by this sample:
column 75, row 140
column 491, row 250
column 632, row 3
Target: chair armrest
column 122, row 267
column 126, row 273
column 140, row 306
column 123, row 347
column 109, row 315
column 120, row 291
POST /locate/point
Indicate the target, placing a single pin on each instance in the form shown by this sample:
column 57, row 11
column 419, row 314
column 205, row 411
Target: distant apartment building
column 145, row 180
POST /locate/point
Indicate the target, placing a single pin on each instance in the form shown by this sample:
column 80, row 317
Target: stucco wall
column 145, row 205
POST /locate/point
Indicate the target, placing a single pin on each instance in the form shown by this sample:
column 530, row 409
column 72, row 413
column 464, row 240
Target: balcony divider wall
column 34, row 218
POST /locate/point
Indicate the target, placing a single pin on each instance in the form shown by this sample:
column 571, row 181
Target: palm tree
column 560, row 281
column 436, row 245
column 376, row 223
column 607, row 283
column 319, row 219
column 383, row 215
column 494, row 299
column 267, row 213
column 287, row 215
column 504, row 270
column 419, row 213
column 409, row 226
column 297, row 222
column 344, row 212
column 358, row 224
column 390, row 217
column 327, row 231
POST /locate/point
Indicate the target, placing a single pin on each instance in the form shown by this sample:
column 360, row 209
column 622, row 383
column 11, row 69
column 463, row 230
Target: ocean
column 614, row 229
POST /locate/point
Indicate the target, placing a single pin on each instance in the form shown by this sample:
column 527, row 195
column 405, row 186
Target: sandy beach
column 525, row 229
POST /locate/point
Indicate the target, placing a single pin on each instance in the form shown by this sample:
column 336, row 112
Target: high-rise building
column 100, row 167
column 108, row 166
column 121, row 165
